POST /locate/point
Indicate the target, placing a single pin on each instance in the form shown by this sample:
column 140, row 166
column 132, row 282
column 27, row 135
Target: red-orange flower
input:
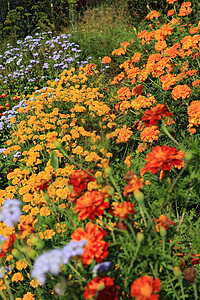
column 90, row 204
column 164, row 222
column 96, row 248
column 7, row 245
column 162, row 158
column 152, row 116
column 123, row 209
column 101, row 288
column 134, row 183
column 89, row 69
column 144, row 288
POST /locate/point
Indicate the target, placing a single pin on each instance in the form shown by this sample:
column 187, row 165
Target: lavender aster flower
column 47, row 262
column 102, row 267
column 4, row 271
column 73, row 248
column 10, row 212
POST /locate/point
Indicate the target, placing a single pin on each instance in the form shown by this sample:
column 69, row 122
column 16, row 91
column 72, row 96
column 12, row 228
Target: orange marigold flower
column 124, row 93
column 134, row 183
column 106, row 60
column 170, row 12
column 101, row 287
column 196, row 82
column 181, row 91
column 150, row 134
column 171, row 1
column 164, row 222
column 28, row 296
column 89, row 69
column 124, row 135
column 142, row 147
column 153, row 14
column 152, row 116
column 185, row 9
column 167, row 81
column 17, row 277
column 123, row 209
column 194, row 115
column 145, row 288
column 7, row 245
column 160, row 46
column 96, row 248
column 91, row 204
column 136, row 57
column 162, row 158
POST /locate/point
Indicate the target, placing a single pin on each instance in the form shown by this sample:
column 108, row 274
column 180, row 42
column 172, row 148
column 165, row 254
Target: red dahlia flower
column 144, row 288
column 101, row 288
column 90, row 204
column 162, row 158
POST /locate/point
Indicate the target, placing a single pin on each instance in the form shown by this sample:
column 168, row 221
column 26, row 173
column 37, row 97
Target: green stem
column 75, row 271
column 115, row 185
column 181, row 285
column 9, row 290
column 2, row 295
column 168, row 134
column 131, row 264
column 195, row 291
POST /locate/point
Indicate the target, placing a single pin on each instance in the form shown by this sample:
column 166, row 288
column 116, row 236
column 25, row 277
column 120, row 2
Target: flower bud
column 163, row 231
column 139, row 196
column 177, row 271
column 58, row 145
column 140, row 237
column 188, row 155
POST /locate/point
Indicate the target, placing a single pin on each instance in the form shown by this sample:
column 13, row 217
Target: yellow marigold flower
column 34, row 283
column 127, row 161
column 20, row 265
column 17, row 277
column 28, row 296
column 150, row 134
column 44, row 211
column 9, row 257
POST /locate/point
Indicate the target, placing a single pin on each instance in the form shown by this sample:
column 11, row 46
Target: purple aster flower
column 73, row 248
column 102, row 267
column 10, row 212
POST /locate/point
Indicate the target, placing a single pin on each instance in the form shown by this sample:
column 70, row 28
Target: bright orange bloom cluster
column 101, row 288
column 164, row 222
column 89, row 69
column 152, row 116
column 106, row 60
column 124, row 134
column 181, row 91
column 162, row 158
column 96, row 248
column 150, row 134
column 145, row 288
column 153, row 14
column 91, row 204
column 123, row 209
column 185, row 9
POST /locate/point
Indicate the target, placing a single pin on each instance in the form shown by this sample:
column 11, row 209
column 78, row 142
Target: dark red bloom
column 152, row 116
column 101, row 288
column 79, row 181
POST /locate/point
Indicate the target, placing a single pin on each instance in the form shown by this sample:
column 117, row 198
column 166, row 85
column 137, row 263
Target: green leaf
column 54, row 160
